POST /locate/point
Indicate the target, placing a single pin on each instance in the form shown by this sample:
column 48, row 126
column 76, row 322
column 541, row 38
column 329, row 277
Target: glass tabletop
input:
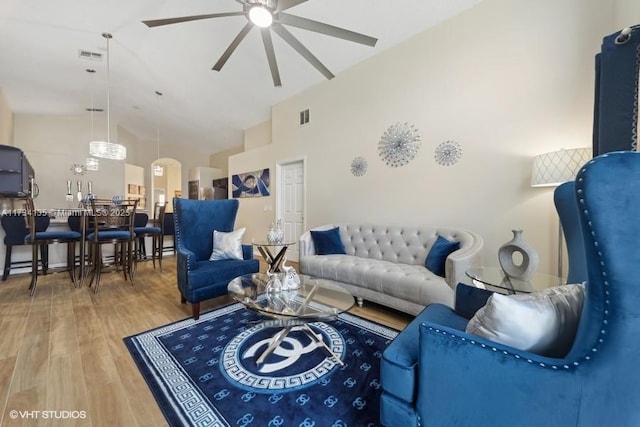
column 496, row 278
column 266, row 243
column 315, row 299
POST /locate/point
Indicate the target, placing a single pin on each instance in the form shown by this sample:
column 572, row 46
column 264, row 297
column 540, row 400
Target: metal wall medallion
column 359, row 166
column 78, row 169
column 399, row 144
column 448, row 153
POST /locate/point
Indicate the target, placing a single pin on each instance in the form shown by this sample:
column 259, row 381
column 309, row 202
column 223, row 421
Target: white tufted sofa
column 385, row 264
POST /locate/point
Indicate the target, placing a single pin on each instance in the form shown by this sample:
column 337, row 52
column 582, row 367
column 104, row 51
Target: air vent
column 304, row 117
column 93, row 56
column 95, row 110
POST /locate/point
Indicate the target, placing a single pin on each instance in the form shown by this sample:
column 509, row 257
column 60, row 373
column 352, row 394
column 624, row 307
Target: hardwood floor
column 62, row 349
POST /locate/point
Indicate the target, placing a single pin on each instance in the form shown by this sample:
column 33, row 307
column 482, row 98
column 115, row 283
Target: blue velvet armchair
column 564, row 197
column 198, row 278
column 438, row 375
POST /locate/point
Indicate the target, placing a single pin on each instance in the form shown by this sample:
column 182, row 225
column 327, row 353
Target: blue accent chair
column 566, row 203
column 198, row 278
column 434, row 374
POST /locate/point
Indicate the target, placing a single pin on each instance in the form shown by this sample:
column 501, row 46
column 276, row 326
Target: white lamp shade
column 552, row 169
column 107, row 150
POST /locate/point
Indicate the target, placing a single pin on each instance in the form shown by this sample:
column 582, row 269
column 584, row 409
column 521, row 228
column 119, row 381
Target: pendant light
column 91, row 163
column 158, row 170
column 107, row 149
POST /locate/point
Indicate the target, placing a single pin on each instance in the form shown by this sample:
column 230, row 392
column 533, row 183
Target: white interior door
column 291, row 204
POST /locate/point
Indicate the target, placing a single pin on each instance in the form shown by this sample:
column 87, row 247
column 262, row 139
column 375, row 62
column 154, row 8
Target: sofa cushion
column 399, row 366
column 227, row 245
column 407, row 282
column 438, row 254
column 328, row 242
column 543, row 322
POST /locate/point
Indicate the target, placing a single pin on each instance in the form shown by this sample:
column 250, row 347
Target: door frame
column 280, row 164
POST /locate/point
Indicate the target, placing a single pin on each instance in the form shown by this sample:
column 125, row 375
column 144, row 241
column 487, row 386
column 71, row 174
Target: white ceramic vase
column 524, row 270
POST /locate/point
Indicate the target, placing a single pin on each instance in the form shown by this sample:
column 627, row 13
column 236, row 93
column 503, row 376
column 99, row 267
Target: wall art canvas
column 251, row 184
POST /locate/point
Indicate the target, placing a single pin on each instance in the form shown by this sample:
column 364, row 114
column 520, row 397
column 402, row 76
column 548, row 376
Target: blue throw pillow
column 439, row 253
column 328, row 242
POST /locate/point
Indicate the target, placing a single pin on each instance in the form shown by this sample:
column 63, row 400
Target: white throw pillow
column 542, row 322
column 227, row 245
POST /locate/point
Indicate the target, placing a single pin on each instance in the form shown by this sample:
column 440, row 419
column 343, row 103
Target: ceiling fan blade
column 306, row 54
column 234, row 44
column 271, row 56
column 288, row 4
column 168, row 21
column 329, row 30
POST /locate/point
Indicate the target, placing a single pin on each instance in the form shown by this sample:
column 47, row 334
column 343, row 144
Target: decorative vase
column 279, row 231
column 272, row 235
column 523, row 271
column 274, row 284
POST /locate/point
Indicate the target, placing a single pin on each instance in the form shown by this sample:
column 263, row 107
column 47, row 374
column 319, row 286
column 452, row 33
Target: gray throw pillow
column 542, row 322
column 227, row 245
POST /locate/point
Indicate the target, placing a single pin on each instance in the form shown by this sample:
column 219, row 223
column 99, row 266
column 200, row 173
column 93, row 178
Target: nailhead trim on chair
column 605, row 321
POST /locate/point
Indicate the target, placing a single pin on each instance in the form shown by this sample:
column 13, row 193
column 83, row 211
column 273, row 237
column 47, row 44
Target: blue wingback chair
column 198, row 278
column 566, row 203
column 437, row 375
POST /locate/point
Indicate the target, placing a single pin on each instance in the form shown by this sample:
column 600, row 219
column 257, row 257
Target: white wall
column 508, row 79
column 6, row 122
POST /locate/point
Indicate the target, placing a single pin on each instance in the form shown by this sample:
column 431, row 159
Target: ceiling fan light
column 260, row 16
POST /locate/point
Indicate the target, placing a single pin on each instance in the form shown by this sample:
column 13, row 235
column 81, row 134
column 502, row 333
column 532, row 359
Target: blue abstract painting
column 251, row 184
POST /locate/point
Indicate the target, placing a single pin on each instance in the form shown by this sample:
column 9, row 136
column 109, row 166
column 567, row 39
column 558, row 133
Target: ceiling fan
column 269, row 15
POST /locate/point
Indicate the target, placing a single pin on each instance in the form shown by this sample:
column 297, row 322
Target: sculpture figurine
column 291, row 279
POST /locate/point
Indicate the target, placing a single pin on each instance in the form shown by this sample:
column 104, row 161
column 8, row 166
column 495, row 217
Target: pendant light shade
column 107, row 149
column 158, row 170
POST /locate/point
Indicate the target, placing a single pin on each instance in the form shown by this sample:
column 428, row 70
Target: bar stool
column 38, row 239
column 169, row 229
column 15, row 229
column 155, row 232
column 112, row 224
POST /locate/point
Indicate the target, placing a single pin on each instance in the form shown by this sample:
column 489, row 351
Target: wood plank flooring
column 62, row 350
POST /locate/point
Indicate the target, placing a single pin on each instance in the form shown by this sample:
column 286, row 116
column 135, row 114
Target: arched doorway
column 168, row 185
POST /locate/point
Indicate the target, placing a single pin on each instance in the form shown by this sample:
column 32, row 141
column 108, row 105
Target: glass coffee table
column 314, row 300
column 494, row 277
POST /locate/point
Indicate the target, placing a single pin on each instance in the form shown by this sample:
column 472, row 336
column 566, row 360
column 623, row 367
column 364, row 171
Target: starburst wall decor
column 399, row 144
column 359, row 166
column 448, row 153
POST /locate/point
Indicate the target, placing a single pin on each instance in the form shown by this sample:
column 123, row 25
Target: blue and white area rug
column 204, row 373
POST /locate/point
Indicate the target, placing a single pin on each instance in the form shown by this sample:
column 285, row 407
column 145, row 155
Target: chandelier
column 107, row 149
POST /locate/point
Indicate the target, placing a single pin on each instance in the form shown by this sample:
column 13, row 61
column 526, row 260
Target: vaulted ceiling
column 42, row 72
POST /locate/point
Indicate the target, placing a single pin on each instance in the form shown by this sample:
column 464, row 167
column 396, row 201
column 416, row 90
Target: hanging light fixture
column 107, row 149
column 158, row 170
column 91, row 163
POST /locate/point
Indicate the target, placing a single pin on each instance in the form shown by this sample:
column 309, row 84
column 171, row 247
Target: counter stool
column 155, row 232
column 39, row 239
column 15, row 229
column 112, row 224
